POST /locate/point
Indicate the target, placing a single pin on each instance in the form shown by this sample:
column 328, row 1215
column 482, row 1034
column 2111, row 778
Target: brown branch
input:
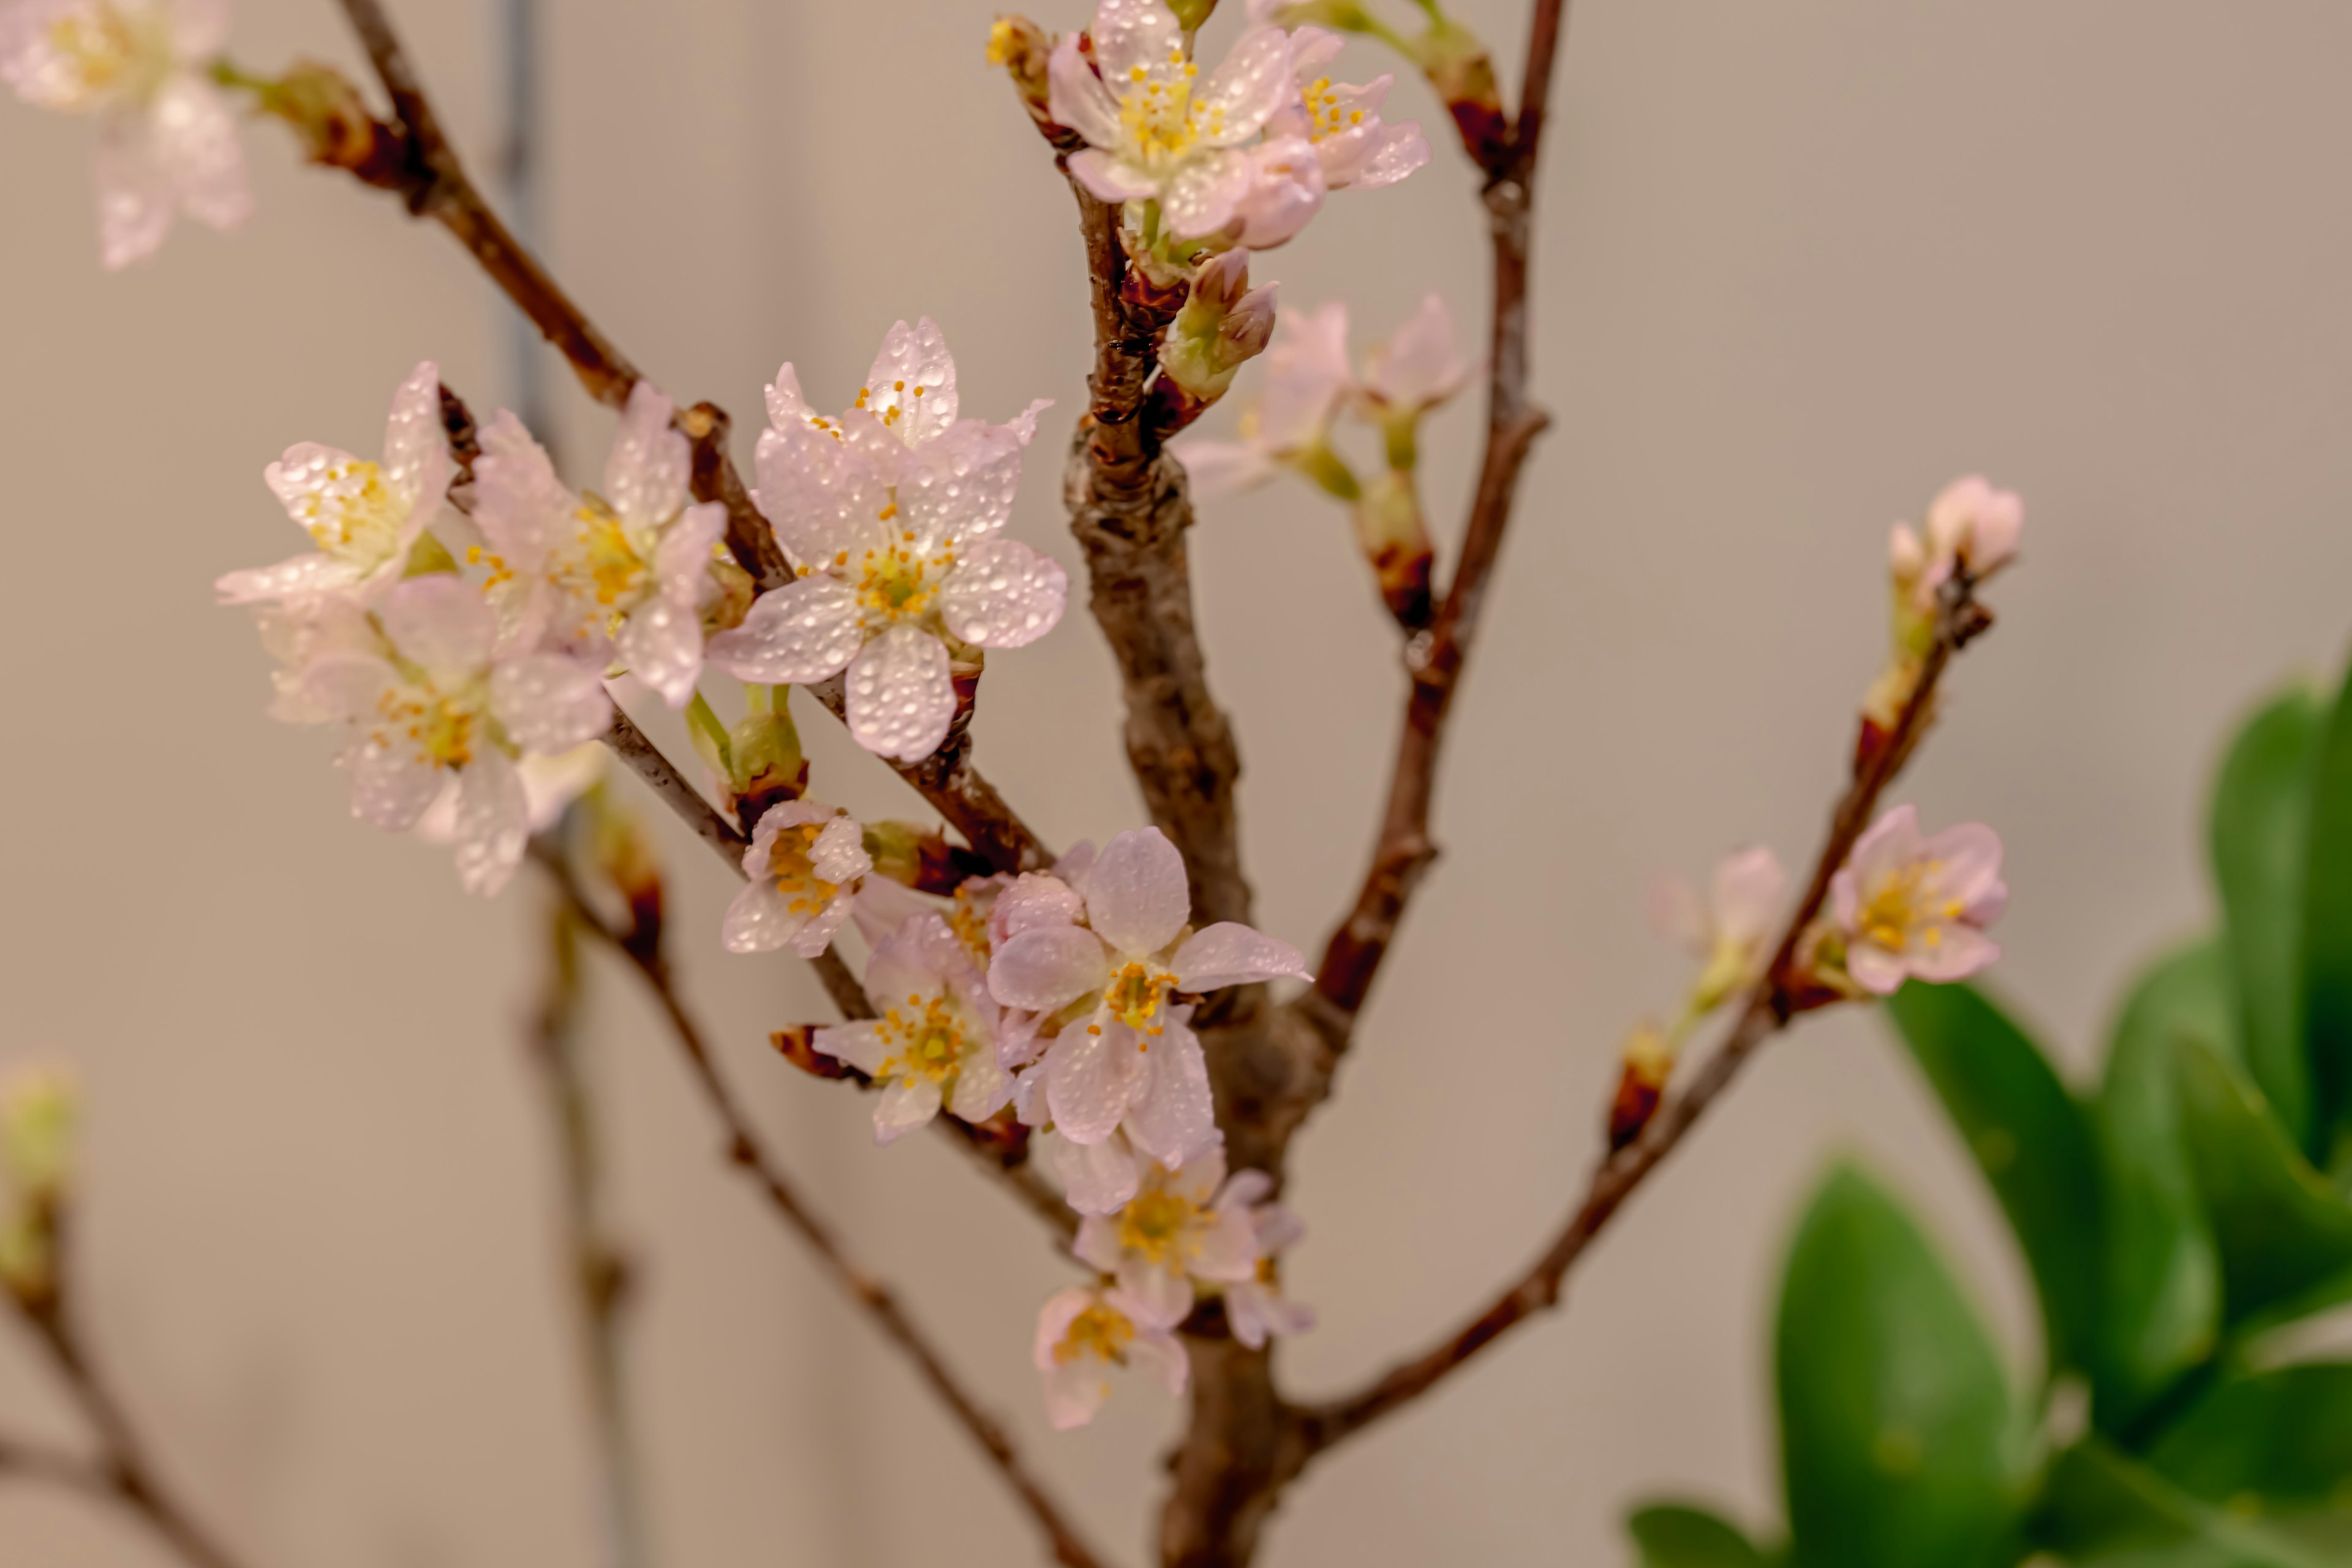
column 123, row 1471
column 745, row 1149
column 25, row 1461
column 1770, row 1007
column 1351, row 959
column 598, row 1269
column 425, row 171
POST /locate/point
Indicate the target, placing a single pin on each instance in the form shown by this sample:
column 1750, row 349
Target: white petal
column 1398, row 152
column 823, row 499
column 1135, row 894
column 1202, row 196
column 787, row 409
column 441, row 625
column 910, row 359
column 1245, row 91
column 900, row 697
column 903, row 1107
column 645, row 472
column 1228, row 1252
column 1747, row 888
column 959, row 488
column 392, row 788
column 1097, row 1178
column 1163, row 1297
column 1174, row 1117
column 1003, row 595
column 682, row 559
column 415, row 443
column 493, row 822
column 1073, row 1393
column 1077, row 98
column 1034, row 899
column 799, row 633
column 1098, row 1245
column 1228, row 953
column 1090, row 1078
column 838, row 854
column 134, row 195
column 760, row 920
column 860, row 1045
column 304, row 576
column 817, row 935
column 1220, row 469
column 196, row 144
column 982, row 1089
column 1048, row 968
column 1158, row 1357
column 549, row 702
column 1131, row 33
column 1422, row 363
column 661, row 644
column 1110, row 180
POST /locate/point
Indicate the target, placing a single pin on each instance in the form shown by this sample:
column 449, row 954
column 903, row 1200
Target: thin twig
column 745, row 1149
column 1434, row 662
column 597, row 1268
column 1774, row 1000
column 435, row 183
column 124, row 1470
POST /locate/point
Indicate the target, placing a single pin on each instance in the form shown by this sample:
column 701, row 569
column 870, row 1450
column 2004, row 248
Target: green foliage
column 1673, row 1535
column 2260, row 827
column 2032, row 1140
column 1895, row 1412
column 2197, row 1201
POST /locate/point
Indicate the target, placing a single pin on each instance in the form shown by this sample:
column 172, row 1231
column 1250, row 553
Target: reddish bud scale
column 797, row 1045
column 1639, row 1093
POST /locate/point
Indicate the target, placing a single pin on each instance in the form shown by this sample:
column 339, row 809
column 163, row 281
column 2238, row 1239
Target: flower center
column 1159, row 1225
column 970, row 923
column 788, row 863
column 895, row 584
column 1901, row 904
column 1324, row 116
column 604, row 565
column 352, row 514
column 1101, row 1332
column 99, row 53
column 1134, row 995
column 1161, row 121
column 930, row 1036
column 441, row 729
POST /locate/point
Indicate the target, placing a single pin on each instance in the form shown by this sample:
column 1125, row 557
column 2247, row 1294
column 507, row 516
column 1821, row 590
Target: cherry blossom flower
column 804, row 865
column 935, row 1042
column 1342, row 122
column 1728, row 929
column 622, row 574
column 1105, row 958
column 1969, row 524
column 1417, row 369
column 1917, row 907
column 1157, row 130
column 891, row 514
column 1286, row 191
column 1176, row 1228
column 1082, row 1333
column 1308, row 379
column 550, row 785
column 364, row 517
column 429, row 705
column 1255, row 1307
column 167, row 139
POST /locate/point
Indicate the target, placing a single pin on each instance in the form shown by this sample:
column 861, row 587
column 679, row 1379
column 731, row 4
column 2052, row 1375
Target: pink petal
column 1136, row 898
column 902, row 699
column 802, row 632
column 1003, row 595
column 1963, row 951
column 1090, row 1080
column 1077, row 98
column 903, row 1107
column 1174, row 1118
column 913, row 357
column 645, row 472
column 1097, row 1178
column 1201, row 197
column 1228, row 953
column 549, row 702
column 1045, row 969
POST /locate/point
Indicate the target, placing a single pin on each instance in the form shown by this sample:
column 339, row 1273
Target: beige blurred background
column 1800, row 262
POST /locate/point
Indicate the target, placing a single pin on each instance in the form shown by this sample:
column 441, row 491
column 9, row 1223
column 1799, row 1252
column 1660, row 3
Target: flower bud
column 920, row 858
column 40, row 1112
column 1649, row 1062
column 1457, row 66
column 1223, row 325
column 1395, row 540
column 623, row 854
column 332, row 120
column 1023, row 51
column 764, row 750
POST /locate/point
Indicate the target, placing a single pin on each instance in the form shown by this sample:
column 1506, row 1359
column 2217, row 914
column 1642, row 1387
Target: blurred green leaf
column 1672, row 1535
column 2327, row 940
column 2259, row 833
column 2032, row 1140
column 2100, row 1508
column 2272, row 1440
column 2162, row 1283
column 1895, row 1411
column 2285, row 1235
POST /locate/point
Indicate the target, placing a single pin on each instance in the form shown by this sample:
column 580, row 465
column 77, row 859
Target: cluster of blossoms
column 463, row 637
column 1058, row 993
column 167, row 139
column 1972, row 530
column 1244, row 156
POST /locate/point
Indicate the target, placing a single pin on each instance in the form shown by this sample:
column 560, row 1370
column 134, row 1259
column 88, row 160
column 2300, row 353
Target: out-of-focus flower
column 1105, row 966
column 889, row 513
column 1727, row 928
column 1914, row 906
column 1308, row 379
column 430, row 703
column 1255, row 1307
column 364, row 517
column 804, row 865
column 1970, row 525
column 40, row 1123
column 167, row 139
column 935, row 1042
column 550, row 785
column 1082, row 1333
column 1420, row 367
column 622, row 574
column 1157, row 130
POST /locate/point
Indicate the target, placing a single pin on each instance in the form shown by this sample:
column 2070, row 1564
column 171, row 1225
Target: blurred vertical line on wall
column 520, row 175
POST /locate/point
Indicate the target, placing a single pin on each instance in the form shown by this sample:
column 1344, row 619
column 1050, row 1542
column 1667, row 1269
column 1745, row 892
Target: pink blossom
column 1107, row 965
column 1971, row 525
column 1171, row 1232
column 1918, row 908
column 1255, row 1307
column 1309, row 378
column 803, row 866
column 934, row 1040
column 890, row 514
column 1728, row 929
column 1082, row 1333
column 1420, row 366
column 1343, row 123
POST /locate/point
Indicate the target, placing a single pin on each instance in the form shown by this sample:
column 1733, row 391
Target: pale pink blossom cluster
column 167, row 142
column 1310, row 379
column 1066, row 996
column 1970, row 526
column 1241, row 155
column 1911, row 907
